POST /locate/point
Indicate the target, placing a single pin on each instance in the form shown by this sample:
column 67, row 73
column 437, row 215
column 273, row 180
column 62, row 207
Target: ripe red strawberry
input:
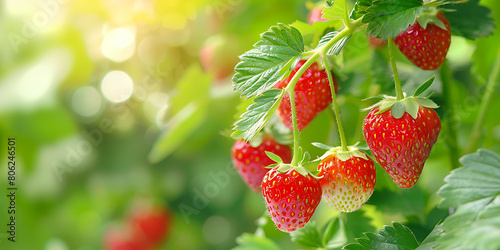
column 312, row 95
column 152, row 225
column 376, row 43
column 316, row 16
column 251, row 162
column 347, row 185
column 402, row 145
column 291, row 198
column 426, row 48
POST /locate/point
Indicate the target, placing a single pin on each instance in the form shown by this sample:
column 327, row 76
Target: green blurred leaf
column 396, row 237
column 252, row 242
column 478, row 178
column 189, row 108
column 259, row 68
column 389, row 17
column 475, row 225
column 334, row 234
column 336, row 11
column 308, row 235
column 257, row 114
column 477, row 24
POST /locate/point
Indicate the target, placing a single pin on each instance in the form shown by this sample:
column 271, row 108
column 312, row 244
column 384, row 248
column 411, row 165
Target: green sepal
column 321, row 145
column 430, row 16
column 283, row 168
column 272, row 166
column 385, row 105
column 425, row 102
column 345, row 155
column 410, row 107
column 274, row 157
column 424, row 86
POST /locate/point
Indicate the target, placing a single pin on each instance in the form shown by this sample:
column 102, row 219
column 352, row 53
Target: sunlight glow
column 118, row 44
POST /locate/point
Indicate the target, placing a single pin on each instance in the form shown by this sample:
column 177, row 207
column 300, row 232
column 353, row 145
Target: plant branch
column 343, row 141
column 347, row 20
column 399, row 91
column 490, row 88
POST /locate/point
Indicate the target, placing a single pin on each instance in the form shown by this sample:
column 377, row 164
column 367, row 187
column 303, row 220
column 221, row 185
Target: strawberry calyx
column 341, row 154
column 305, row 167
column 430, row 15
column 410, row 105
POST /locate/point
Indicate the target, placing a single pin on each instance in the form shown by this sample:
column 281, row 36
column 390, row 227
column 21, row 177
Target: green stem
column 451, row 133
column 343, row 141
column 296, row 144
column 347, row 20
column 399, row 91
column 291, row 86
column 490, row 88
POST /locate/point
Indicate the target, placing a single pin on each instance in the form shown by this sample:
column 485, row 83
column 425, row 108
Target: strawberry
column 251, row 161
column 151, row 225
column 119, row 239
column 312, row 95
column 376, row 43
column 316, row 16
column 401, row 145
column 219, row 55
column 426, row 48
column 291, row 197
column 347, row 182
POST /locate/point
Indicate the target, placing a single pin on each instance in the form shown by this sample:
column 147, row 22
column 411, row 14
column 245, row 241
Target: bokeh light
column 117, row 86
column 118, row 44
column 86, row 101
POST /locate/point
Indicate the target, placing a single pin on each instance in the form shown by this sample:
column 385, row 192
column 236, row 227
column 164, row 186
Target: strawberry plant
column 289, row 73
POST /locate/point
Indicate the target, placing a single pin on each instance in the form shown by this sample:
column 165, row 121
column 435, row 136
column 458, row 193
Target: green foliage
column 260, row 67
column 336, row 11
column 479, row 178
column 251, row 242
column 389, row 17
column 190, row 104
column 470, row 20
column 257, row 114
column 396, row 237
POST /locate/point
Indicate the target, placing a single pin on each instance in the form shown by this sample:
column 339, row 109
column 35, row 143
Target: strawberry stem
column 343, row 141
column 451, row 132
column 399, row 91
column 347, row 20
column 490, row 88
column 291, row 86
column 296, row 144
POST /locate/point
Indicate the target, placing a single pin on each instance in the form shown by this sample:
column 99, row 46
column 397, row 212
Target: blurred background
column 121, row 108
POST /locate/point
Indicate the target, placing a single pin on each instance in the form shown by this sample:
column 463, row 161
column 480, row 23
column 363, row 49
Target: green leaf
column 360, row 8
column 478, row 22
column 411, row 107
column 474, row 225
column 274, row 157
column 257, row 114
column 336, row 11
column 430, row 241
column 389, row 17
column 260, row 67
column 424, row 86
column 395, row 237
column 307, row 236
column 189, row 107
column 398, row 110
column 334, row 234
column 478, row 178
column 337, row 47
column 252, row 242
